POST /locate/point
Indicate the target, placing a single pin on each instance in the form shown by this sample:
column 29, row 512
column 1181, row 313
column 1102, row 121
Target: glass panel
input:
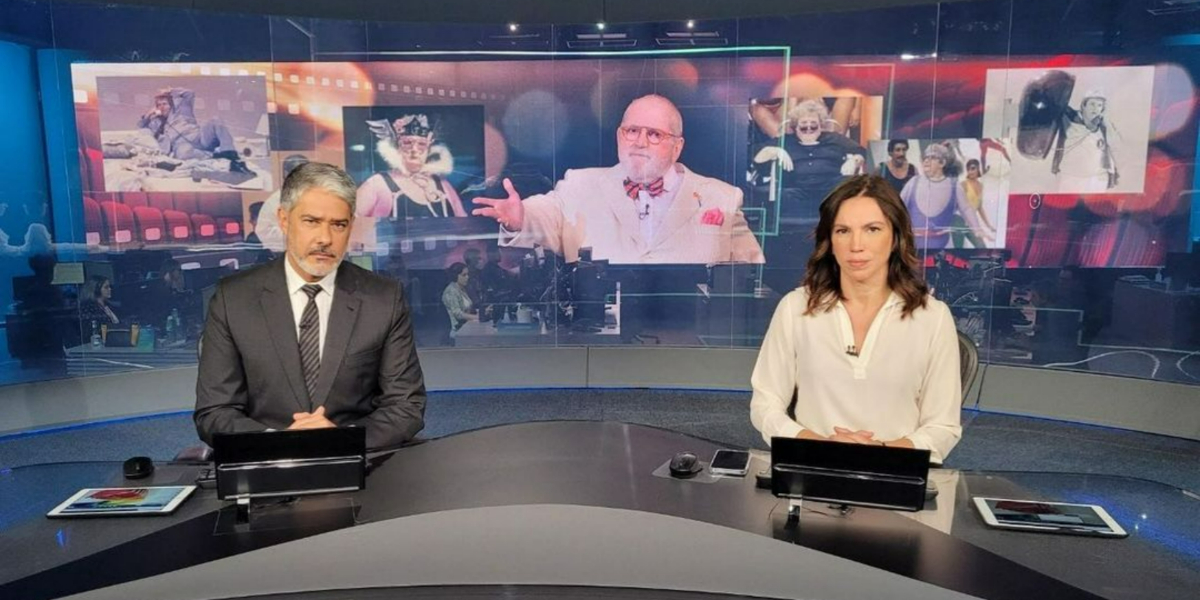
column 1073, row 248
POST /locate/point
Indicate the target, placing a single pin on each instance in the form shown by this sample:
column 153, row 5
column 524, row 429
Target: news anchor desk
column 580, row 509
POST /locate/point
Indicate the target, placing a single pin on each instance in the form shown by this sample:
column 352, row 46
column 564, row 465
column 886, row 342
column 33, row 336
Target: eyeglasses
column 631, row 133
column 808, row 128
column 411, row 144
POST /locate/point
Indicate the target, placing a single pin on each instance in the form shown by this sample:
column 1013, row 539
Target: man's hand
column 313, row 420
column 775, row 153
column 507, row 211
column 849, row 436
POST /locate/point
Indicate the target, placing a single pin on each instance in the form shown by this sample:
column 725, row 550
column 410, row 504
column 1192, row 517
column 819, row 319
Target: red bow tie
column 654, row 188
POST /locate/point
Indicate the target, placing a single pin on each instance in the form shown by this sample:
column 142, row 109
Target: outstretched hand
column 507, row 211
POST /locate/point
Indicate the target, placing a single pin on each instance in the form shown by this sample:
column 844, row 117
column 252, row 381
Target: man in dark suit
column 309, row 340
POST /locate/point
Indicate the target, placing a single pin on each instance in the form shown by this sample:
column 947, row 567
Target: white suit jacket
column 589, row 208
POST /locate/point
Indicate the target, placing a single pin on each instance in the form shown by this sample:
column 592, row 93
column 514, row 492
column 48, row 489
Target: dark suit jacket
column 250, row 377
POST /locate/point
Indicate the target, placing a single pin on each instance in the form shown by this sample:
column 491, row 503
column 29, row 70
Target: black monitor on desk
column 266, row 464
column 854, row 474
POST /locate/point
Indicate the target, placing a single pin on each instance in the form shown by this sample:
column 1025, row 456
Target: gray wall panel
column 698, row 368
column 474, row 368
column 82, row 399
column 1151, row 406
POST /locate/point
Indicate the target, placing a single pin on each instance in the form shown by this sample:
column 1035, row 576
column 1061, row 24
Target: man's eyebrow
column 318, row 218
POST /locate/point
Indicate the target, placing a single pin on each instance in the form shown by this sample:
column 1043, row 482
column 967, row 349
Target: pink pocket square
column 713, row 216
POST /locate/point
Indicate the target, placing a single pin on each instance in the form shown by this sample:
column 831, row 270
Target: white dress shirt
column 295, row 285
column 905, row 381
column 655, row 209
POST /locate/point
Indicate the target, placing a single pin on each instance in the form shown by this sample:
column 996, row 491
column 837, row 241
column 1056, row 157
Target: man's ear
column 282, row 216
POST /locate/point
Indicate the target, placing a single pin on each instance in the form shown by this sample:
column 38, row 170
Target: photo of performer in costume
column 179, row 133
column 897, row 170
column 982, row 234
column 932, row 197
column 1083, row 159
column 814, row 160
column 415, row 185
column 1076, row 130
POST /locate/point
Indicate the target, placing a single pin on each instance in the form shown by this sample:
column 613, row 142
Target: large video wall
column 1051, row 178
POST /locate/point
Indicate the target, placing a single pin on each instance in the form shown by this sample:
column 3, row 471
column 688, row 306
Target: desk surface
column 609, row 467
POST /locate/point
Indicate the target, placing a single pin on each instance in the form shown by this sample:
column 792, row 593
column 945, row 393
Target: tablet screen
column 1068, row 518
column 123, row 501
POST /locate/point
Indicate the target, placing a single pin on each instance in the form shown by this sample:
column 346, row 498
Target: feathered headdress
column 439, row 161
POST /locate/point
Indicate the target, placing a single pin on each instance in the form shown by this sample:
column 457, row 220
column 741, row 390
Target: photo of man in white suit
column 647, row 209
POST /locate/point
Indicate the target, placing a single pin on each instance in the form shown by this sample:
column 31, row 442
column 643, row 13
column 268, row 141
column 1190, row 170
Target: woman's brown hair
column 823, row 281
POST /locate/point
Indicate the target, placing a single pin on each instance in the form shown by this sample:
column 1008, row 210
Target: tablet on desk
column 133, row 501
column 1048, row 517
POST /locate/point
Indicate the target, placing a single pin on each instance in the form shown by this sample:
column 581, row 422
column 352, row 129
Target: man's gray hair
column 325, row 176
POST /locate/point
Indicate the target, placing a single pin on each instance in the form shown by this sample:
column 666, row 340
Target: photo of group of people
column 956, row 190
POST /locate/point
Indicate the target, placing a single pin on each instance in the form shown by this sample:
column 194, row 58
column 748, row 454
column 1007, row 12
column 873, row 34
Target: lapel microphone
column 852, row 351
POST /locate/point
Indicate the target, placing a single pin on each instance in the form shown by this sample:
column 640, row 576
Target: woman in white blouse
column 868, row 354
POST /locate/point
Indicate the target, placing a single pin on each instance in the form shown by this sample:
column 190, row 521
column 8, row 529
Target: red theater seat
column 229, row 229
column 93, row 222
column 187, row 202
column 205, row 227
column 179, row 226
column 161, row 200
column 91, row 167
column 227, row 203
column 134, row 199
column 119, row 223
column 150, row 223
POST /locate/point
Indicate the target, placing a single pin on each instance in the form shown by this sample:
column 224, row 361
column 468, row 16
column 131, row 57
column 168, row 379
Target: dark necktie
column 310, row 340
column 654, row 188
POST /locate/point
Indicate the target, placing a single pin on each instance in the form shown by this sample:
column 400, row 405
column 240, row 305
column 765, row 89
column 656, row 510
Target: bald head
column 659, row 106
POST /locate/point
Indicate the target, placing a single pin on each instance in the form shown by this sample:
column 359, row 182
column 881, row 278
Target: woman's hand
column 850, row 436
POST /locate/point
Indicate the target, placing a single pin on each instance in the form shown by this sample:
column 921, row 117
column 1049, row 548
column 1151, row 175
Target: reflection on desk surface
column 610, row 465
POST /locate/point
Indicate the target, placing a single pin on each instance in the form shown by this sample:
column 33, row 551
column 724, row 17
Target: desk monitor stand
column 848, row 474
column 795, row 505
column 312, row 514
